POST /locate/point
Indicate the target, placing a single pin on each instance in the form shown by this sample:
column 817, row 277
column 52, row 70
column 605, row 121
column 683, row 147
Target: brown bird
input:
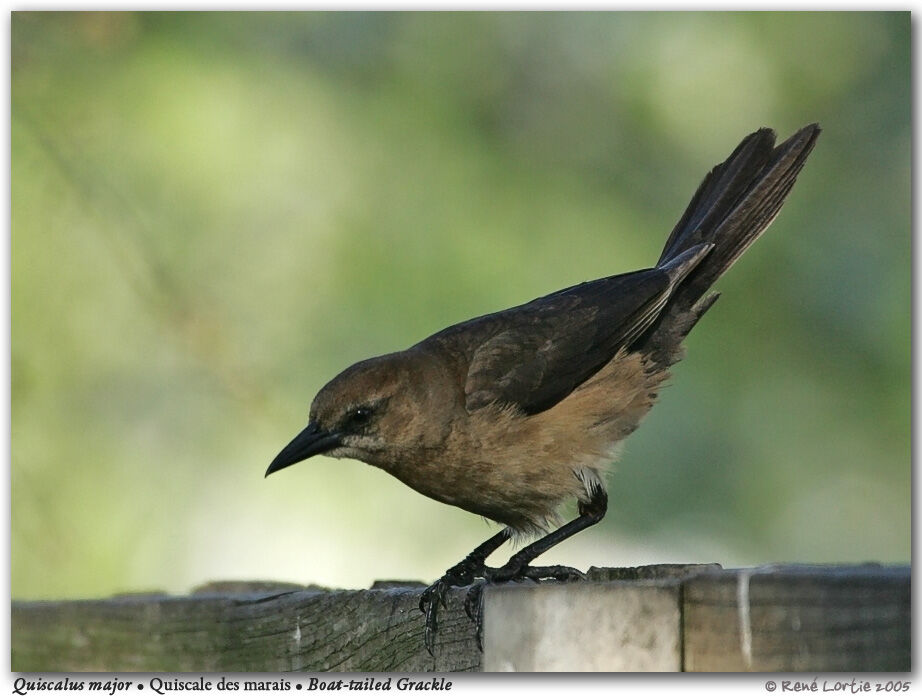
column 511, row 414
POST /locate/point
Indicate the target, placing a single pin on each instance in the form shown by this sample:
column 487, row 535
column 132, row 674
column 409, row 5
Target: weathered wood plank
column 616, row 626
column 372, row 630
column 669, row 617
column 631, row 615
column 799, row 618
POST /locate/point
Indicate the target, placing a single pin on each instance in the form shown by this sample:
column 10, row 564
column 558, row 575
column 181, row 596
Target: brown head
column 379, row 411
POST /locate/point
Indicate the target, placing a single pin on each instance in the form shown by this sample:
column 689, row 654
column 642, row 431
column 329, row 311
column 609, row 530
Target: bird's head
column 372, row 411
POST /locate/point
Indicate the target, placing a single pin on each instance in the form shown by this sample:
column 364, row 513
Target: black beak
column 313, row 440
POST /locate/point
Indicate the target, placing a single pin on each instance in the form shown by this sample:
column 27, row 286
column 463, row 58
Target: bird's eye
column 359, row 416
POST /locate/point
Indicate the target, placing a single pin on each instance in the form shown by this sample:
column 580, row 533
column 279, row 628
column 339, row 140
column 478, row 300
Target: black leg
column 462, row 574
column 473, row 566
column 517, row 567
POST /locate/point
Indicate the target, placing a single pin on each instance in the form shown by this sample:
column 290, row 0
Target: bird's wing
column 534, row 355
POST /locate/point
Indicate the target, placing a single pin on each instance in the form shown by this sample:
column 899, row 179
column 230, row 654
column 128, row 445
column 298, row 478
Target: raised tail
column 735, row 203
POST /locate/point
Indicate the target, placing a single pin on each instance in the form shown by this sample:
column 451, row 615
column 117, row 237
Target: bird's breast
column 517, row 469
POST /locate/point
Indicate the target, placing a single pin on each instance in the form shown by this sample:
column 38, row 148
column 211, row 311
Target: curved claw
column 429, row 601
column 472, row 600
column 425, row 599
column 436, row 594
column 432, row 627
column 473, row 606
column 462, row 574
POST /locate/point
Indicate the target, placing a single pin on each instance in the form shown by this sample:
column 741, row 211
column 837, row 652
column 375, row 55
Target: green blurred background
column 213, row 214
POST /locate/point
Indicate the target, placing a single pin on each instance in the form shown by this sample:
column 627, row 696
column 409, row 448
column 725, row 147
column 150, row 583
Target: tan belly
column 517, row 469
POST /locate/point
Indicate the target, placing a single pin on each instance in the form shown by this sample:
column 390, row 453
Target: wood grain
column 376, row 630
column 781, row 618
column 799, row 618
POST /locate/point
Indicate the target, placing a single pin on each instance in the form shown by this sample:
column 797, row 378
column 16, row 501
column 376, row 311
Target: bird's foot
column 522, row 572
column 473, row 602
column 463, row 574
column 477, row 575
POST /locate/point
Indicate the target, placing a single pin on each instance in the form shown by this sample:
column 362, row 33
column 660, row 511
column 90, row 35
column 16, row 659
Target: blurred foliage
column 212, row 214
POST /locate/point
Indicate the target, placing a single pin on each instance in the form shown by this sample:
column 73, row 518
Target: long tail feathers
column 734, row 205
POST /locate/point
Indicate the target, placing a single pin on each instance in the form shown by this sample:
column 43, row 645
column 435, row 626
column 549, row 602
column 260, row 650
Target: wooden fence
column 663, row 618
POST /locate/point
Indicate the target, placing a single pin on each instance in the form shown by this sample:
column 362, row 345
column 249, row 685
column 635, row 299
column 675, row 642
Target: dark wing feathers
column 534, row 355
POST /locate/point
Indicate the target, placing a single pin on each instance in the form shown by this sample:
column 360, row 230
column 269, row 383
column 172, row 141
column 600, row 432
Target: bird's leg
column 464, row 573
column 517, row 567
column 473, row 566
column 473, row 601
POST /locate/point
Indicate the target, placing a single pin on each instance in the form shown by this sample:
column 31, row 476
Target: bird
column 512, row 414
